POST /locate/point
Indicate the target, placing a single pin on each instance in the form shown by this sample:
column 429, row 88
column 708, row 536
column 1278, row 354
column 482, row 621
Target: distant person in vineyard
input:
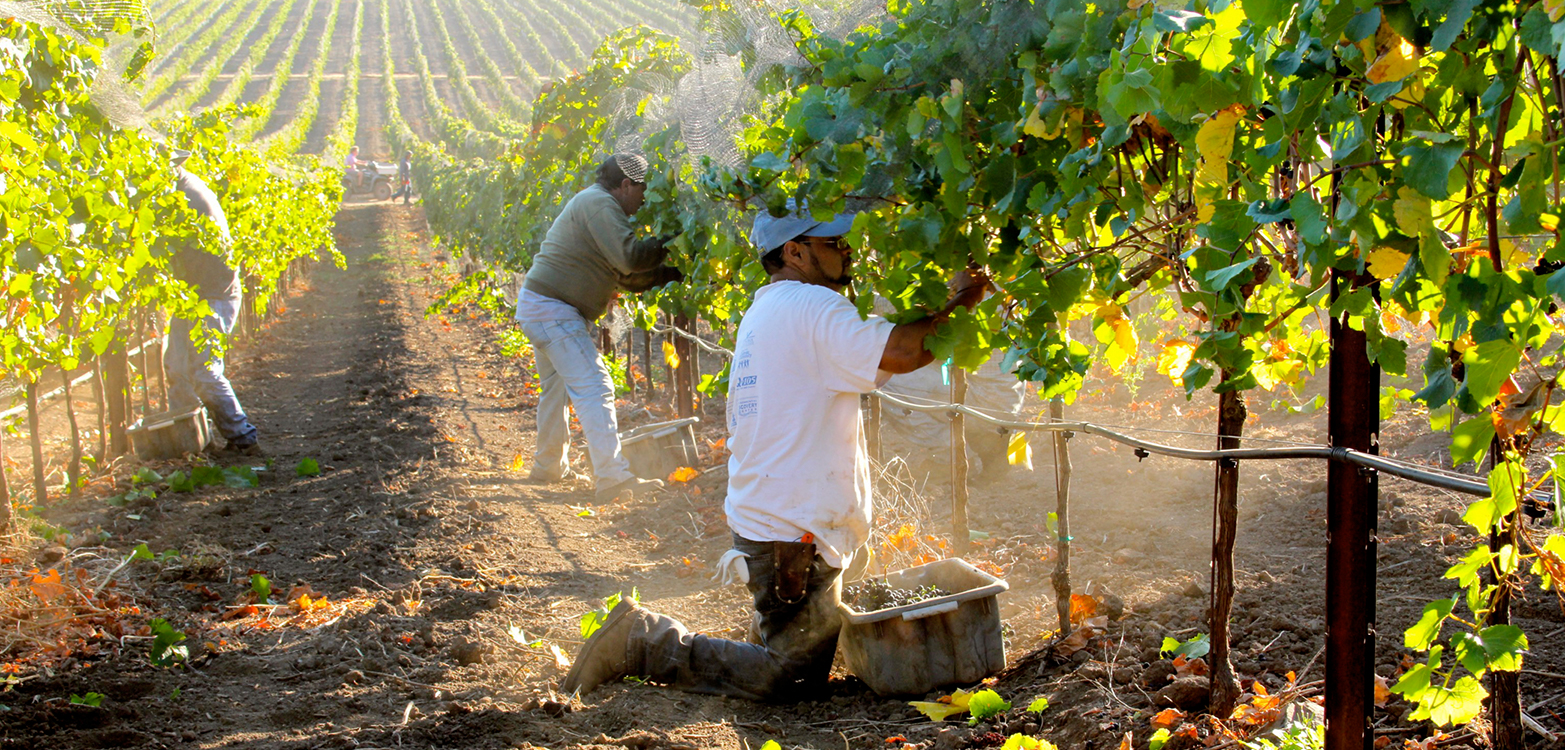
column 404, row 180
column 589, row 254
column 798, row 477
column 196, row 375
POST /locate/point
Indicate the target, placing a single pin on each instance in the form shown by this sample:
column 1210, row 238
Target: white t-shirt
column 799, row 464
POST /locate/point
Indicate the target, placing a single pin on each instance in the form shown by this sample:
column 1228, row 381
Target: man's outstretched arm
column 905, row 351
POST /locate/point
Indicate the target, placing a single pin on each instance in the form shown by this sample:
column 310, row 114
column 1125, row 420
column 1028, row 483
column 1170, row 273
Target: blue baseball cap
column 771, row 232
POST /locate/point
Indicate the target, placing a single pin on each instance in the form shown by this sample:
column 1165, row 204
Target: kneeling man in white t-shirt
column 798, row 478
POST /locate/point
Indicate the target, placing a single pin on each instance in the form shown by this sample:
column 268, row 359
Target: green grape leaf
column 1427, row 629
column 1428, row 168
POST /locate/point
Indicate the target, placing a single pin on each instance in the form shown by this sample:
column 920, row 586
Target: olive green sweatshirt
column 590, row 252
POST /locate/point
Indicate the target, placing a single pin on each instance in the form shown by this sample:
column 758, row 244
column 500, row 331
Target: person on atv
column 798, row 476
column 404, row 180
column 588, row 255
column 355, row 167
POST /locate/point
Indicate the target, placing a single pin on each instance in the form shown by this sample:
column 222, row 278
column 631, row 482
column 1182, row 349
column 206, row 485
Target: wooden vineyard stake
column 103, row 414
column 960, row 534
column 159, row 325
column 872, row 430
column 1231, row 413
column 684, row 384
column 35, row 436
column 1505, row 689
column 1353, row 421
column 668, row 385
column 116, row 384
column 695, row 369
column 142, row 371
column 5, row 489
column 648, row 391
column 1062, row 524
column 73, row 470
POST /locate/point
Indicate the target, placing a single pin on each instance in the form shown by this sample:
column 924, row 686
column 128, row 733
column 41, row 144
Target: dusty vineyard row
column 477, row 65
column 222, row 57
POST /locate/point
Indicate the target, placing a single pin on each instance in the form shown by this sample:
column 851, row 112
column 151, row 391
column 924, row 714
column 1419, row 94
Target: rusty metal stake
column 1353, row 421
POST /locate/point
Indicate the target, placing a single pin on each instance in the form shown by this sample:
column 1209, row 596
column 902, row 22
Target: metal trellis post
column 1353, row 420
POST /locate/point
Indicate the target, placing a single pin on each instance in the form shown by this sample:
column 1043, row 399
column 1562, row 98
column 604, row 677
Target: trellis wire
column 1412, row 472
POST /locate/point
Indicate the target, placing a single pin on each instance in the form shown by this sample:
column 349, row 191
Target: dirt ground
column 440, row 581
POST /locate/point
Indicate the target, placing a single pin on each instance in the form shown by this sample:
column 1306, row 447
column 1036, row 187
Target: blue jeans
column 793, row 642
column 572, row 373
column 196, row 376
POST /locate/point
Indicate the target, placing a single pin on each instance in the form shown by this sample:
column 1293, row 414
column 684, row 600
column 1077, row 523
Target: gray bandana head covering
column 633, row 165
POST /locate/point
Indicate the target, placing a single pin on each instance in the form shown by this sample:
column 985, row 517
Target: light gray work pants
column 572, row 373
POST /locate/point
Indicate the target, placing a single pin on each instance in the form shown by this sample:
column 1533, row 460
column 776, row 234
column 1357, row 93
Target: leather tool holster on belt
column 795, row 561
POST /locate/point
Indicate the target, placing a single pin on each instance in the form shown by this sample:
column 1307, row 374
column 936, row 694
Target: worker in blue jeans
column 588, row 256
column 195, row 371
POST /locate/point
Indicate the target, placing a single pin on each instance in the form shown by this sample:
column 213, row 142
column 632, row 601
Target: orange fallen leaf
column 1190, row 667
column 1082, row 607
column 1168, row 718
column 48, row 587
column 239, row 613
column 1382, row 691
column 683, row 474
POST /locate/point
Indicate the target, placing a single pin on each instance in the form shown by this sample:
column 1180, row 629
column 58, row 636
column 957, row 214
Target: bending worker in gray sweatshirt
column 589, row 254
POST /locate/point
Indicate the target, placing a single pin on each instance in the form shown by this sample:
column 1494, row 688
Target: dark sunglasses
column 836, row 243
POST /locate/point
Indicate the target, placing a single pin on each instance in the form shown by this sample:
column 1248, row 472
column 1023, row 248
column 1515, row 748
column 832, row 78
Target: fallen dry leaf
column 1168, row 718
column 683, row 474
column 560, row 659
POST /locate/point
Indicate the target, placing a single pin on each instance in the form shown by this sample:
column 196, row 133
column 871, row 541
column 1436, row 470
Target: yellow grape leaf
column 1215, row 143
column 1018, row 452
column 518, row 463
column 1550, row 222
column 1265, row 376
column 683, row 474
column 1399, row 61
column 955, row 703
column 1513, row 255
column 1036, row 127
column 1175, row 359
column 670, row 355
column 1387, row 262
column 936, row 711
column 1555, row 9
column 1125, row 336
column 1215, row 140
column 1413, row 213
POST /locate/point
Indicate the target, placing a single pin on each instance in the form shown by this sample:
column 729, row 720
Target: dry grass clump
column 57, row 606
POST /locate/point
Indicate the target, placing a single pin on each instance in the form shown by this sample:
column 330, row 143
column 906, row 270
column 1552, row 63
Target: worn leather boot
column 604, row 656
